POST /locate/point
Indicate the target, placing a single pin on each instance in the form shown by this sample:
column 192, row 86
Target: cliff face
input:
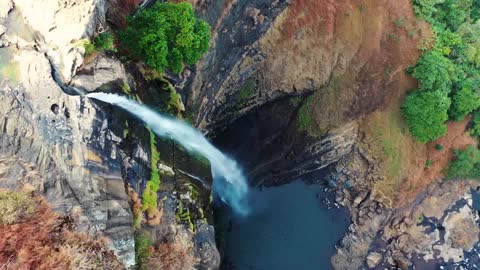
column 348, row 57
column 92, row 161
column 300, row 86
column 60, row 144
column 289, row 87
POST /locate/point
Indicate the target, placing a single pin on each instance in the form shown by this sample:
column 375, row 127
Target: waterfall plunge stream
column 229, row 182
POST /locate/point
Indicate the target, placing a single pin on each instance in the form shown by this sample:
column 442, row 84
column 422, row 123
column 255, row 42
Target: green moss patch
column 153, row 185
column 247, row 90
column 305, row 117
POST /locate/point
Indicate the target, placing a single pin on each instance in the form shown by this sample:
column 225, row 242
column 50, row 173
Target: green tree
column 435, row 72
column 464, row 102
column 426, row 113
column 167, row 35
column 454, row 13
column 466, row 164
column 426, row 8
column 475, row 15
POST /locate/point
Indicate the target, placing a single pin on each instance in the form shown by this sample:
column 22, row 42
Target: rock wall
column 60, row 144
column 285, row 48
column 341, row 62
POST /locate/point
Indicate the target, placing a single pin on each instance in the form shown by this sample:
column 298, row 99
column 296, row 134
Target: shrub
column 439, row 147
column 476, row 124
column 247, row 90
column 171, row 256
column 89, row 47
column 464, row 102
column 305, row 115
column 428, row 163
column 466, row 164
column 15, row 206
column 104, row 42
column 426, row 113
column 167, row 35
column 46, row 241
column 143, row 249
column 153, row 185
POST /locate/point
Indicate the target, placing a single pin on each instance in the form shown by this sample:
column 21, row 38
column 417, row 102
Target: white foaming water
column 229, row 182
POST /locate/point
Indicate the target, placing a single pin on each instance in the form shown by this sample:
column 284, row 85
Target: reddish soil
column 377, row 41
column 456, row 138
column 318, row 15
column 354, row 52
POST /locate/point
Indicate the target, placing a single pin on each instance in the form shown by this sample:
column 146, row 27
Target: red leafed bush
column 47, row 241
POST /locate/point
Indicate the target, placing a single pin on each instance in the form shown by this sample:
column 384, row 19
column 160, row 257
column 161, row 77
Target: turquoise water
column 289, row 229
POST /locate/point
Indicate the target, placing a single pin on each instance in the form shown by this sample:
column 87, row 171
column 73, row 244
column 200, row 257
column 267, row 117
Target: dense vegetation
column 448, row 73
column 167, row 35
column 466, row 164
column 103, row 42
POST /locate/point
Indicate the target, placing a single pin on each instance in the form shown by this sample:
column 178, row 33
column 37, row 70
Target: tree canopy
column 466, row 164
column 167, row 35
column 426, row 113
column 449, row 72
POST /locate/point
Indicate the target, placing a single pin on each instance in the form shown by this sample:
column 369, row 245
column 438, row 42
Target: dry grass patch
column 45, row 240
column 398, row 156
column 171, row 256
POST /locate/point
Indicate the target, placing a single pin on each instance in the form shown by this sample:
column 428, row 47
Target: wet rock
column 205, row 241
column 332, row 183
column 373, row 259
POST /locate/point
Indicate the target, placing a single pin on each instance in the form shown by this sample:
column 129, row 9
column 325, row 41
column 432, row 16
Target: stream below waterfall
column 289, row 228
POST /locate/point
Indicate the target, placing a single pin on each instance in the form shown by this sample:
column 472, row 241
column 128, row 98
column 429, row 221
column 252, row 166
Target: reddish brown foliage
column 170, row 256
column 46, row 241
column 129, row 5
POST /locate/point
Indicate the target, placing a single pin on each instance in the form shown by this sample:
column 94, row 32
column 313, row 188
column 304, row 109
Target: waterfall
column 229, row 182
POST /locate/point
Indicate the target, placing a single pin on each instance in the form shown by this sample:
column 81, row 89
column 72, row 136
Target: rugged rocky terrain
column 319, row 85
column 83, row 157
column 289, row 87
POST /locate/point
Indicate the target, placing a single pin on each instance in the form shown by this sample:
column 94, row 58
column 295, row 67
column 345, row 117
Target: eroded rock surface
column 341, row 63
column 58, row 143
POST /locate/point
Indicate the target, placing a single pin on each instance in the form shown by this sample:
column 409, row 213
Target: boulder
column 99, row 72
column 373, row 259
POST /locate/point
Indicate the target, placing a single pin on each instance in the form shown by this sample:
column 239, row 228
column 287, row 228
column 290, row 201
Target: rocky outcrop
column 299, row 47
column 99, row 72
column 59, row 29
column 316, row 85
column 439, row 227
column 60, row 144
column 82, row 156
